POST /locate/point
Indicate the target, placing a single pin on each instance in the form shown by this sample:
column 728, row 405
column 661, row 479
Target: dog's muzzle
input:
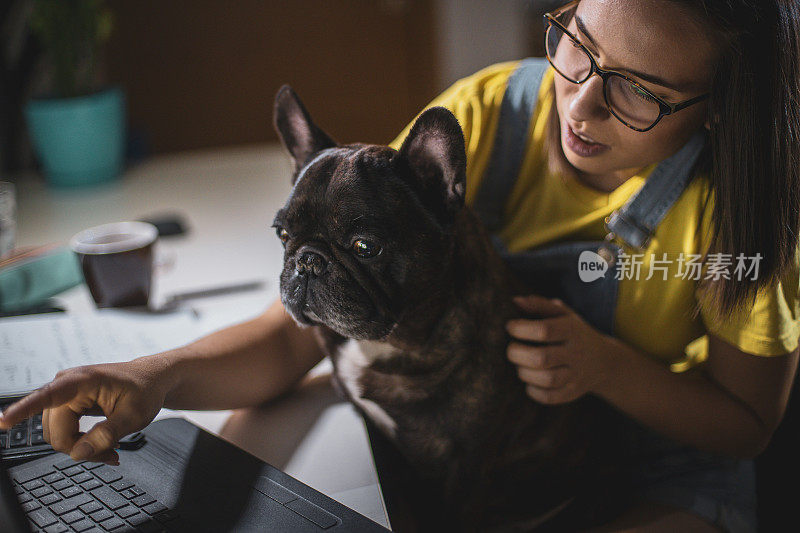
column 310, row 262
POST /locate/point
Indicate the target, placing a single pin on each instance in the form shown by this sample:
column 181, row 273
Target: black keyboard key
column 91, row 484
column 30, row 506
column 18, row 489
column 36, row 422
column 52, row 478
column 119, row 486
column 69, row 492
column 24, row 497
column 92, row 507
column 37, row 438
column 70, row 504
column 107, row 474
column 35, row 484
column 138, row 520
column 18, row 437
column 99, row 516
column 73, row 471
column 67, row 463
column 83, row 477
column 143, row 500
column 72, row 516
column 92, row 466
column 110, row 498
column 127, row 511
column 3, row 440
column 83, row 525
column 111, row 525
column 154, row 508
column 50, row 499
column 42, row 491
column 57, row 528
column 132, row 492
column 61, row 484
column 27, row 475
column 42, row 517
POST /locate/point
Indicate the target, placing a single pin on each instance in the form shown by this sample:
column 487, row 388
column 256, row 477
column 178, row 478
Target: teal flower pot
column 79, row 141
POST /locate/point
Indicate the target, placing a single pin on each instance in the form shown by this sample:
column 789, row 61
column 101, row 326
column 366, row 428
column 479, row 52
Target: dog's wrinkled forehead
column 340, row 181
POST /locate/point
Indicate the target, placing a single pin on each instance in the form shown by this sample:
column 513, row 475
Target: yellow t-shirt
column 653, row 315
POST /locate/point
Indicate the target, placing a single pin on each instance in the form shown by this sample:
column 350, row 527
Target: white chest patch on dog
column 354, row 357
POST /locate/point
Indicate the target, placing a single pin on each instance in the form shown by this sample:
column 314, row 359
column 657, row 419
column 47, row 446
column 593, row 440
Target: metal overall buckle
column 606, row 251
column 635, row 231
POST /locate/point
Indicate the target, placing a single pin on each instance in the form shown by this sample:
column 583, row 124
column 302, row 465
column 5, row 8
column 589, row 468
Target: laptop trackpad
column 296, row 503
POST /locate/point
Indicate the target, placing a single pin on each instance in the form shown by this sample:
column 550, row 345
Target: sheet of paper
column 34, row 348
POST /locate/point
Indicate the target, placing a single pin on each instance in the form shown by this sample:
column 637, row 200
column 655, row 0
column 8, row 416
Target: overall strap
column 636, row 221
column 510, row 142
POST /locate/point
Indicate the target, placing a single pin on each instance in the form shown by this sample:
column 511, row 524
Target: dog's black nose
column 309, row 261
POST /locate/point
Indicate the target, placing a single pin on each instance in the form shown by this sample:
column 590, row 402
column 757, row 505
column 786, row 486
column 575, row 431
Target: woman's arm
column 732, row 405
column 242, row 365
column 245, row 364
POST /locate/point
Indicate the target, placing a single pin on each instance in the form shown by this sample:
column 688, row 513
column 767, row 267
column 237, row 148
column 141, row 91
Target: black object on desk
column 168, row 225
column 48, row 306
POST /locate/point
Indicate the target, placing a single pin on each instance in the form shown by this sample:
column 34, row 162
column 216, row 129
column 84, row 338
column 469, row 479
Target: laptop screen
column 11, row 516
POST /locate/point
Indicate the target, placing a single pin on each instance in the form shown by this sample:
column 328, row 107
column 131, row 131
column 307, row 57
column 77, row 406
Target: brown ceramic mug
column 117, row 262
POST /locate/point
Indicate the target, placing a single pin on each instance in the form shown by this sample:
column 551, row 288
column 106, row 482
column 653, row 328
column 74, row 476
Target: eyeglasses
column 629, row 101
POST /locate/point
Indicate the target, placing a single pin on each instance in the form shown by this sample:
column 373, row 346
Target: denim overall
column 720, row 489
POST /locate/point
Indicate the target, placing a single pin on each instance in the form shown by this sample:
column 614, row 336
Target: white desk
column 229, row 198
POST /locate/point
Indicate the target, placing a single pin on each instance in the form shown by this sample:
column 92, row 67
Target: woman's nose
column 588, row 102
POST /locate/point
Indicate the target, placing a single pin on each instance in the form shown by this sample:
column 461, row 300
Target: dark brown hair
column 753, row 157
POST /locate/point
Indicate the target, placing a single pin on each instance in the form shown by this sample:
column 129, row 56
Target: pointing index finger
column 53, row 394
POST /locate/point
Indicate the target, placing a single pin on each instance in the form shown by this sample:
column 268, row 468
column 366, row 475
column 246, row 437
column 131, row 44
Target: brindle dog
column 405, row 292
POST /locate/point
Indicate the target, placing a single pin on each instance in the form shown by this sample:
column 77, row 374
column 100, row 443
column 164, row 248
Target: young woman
column 706, row 362
column 702, row 366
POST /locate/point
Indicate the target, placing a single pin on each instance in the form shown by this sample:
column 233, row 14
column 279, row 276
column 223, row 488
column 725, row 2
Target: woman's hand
column 128, row 394
column 575, row 360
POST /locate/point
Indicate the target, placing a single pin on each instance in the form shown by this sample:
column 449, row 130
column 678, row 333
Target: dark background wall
column 204, row 73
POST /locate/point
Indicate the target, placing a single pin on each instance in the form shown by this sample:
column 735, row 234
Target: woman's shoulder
column 490, row 79
column 770, row 324
column 472, row 99
column 693, row 210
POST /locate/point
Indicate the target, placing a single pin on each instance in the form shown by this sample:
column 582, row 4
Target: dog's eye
column 283, row 235
column 366, row 249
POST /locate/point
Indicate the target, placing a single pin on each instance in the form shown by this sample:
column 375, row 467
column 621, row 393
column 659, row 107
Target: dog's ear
column 298, row 133
column 433, row 153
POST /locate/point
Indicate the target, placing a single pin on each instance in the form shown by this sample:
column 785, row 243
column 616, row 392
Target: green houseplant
column 78, row 130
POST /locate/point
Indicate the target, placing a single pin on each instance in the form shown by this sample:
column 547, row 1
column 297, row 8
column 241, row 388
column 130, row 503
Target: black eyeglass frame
column 665, row 108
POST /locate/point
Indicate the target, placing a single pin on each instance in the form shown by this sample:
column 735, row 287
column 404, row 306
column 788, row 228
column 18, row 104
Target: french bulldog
column 408, row 297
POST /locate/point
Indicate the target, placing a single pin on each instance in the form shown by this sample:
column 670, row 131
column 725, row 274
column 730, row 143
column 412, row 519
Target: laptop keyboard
column 24, row 440
column 87, row 497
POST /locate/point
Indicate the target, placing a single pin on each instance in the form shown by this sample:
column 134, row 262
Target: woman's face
column 653, row 37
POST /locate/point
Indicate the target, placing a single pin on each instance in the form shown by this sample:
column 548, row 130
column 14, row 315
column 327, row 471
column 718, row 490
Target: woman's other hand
column 572, row 358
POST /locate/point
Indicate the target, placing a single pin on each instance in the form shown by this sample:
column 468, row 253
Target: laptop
column 181, row 478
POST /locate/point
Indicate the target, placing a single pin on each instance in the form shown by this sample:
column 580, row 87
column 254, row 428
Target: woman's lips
column 578, row 145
